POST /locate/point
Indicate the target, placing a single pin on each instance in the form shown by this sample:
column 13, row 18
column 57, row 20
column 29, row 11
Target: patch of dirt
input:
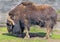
column 53, row 40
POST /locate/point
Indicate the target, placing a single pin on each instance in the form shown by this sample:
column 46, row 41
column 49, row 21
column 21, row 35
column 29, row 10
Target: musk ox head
column 10, row 23
column 9, row 27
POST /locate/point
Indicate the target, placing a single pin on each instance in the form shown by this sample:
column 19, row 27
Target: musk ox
column 29, row 13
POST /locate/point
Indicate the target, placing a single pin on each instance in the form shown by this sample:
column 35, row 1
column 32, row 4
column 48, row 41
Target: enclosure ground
column 37, row 35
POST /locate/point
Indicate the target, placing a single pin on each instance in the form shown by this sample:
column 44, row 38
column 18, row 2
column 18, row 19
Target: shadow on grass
column 40, row 34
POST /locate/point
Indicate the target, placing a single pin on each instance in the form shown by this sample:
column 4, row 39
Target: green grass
column 55, row 36
column 5, row 37
column 58, row 11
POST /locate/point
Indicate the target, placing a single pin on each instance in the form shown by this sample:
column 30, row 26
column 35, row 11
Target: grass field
column 5, row 37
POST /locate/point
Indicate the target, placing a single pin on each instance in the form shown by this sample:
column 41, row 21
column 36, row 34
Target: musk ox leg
column 48, row 28
column 27, row 29
column 27, row 33
column 22, row 27
column 48, row 32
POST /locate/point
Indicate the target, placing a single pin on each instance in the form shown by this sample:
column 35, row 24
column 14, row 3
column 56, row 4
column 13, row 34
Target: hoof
column 46, row 37
column 26, row 37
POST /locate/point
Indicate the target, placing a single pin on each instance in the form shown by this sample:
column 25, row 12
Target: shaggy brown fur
column 27, row 13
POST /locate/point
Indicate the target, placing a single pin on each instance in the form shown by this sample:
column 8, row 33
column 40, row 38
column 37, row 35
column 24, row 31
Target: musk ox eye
column 8, row 24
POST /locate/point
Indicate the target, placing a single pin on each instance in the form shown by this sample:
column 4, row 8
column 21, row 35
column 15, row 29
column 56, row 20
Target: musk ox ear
column 27, row 3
